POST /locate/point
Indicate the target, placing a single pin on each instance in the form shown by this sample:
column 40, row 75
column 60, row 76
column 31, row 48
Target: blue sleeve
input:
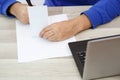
column 4, row 5
column 103, row 12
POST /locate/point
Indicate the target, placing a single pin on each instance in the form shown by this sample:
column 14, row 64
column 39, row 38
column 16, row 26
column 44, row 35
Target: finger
column 44, row 31
column 52, row 38
column 48, row 34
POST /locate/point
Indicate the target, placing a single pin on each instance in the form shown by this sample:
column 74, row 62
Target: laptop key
column 81, row 56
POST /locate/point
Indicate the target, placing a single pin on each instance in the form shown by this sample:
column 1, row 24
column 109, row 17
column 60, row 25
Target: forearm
column 103, row 12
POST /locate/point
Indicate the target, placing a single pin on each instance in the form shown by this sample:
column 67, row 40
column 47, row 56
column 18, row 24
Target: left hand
column 63, row 30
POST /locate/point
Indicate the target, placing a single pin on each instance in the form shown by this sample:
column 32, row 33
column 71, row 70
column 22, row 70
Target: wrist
column 13, row 9
column 81, row 23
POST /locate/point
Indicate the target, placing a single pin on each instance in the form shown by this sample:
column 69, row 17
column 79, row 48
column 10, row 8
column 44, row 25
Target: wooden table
column 50, row 69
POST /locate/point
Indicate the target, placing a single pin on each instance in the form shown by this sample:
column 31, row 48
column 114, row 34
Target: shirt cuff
column 6, row 6
column 94, row 17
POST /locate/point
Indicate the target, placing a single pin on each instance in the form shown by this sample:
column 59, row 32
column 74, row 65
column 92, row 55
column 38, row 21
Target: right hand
column 20, row 12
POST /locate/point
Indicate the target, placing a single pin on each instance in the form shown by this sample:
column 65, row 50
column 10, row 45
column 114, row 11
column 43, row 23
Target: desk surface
column 49, row 69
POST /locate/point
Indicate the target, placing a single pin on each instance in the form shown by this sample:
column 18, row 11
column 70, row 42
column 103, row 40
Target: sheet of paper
column 35, row 48
column 38, row 19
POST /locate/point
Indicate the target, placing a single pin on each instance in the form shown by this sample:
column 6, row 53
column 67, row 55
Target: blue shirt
column 4, row 5
column 102, row 12
column 69, row 2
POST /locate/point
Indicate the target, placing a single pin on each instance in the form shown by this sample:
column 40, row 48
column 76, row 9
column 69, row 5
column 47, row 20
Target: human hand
column 20, row 12
column 63, row 30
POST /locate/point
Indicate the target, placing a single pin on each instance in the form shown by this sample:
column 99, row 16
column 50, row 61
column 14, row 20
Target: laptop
column 97, row 58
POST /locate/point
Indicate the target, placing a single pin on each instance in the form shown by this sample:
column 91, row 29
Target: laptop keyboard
column 78, row 50
column 81, row 56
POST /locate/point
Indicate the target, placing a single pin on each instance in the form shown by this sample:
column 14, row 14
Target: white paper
column 38, row 19
column 35, row 48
